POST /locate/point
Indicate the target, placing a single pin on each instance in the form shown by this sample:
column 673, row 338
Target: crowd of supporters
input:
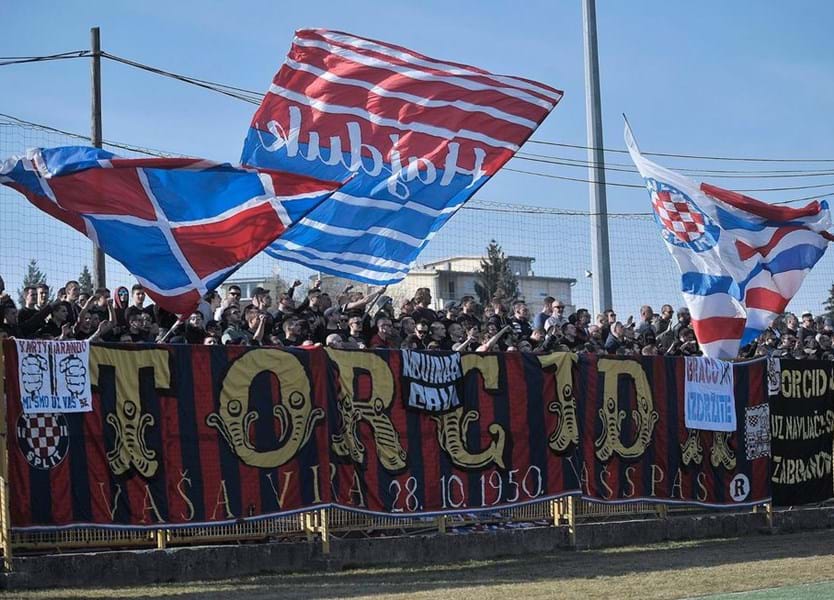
column 355, row 320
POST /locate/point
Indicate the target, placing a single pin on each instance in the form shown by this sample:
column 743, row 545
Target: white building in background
column 455, row 277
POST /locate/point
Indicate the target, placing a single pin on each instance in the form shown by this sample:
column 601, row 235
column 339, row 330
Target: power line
column 254, row 97
column 631, row 185
column 561, row 161
column 227, row 90
column 20, row 60
column 692, row 156
column 112, row 144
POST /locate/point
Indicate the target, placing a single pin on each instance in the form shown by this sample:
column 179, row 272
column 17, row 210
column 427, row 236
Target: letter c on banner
column 452, row 426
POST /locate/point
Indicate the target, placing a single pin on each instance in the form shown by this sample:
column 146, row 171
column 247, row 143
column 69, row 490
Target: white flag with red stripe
column 741, row 260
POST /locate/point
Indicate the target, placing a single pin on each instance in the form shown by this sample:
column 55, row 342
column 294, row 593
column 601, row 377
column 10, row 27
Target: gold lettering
column 128, row 421
column 315, row 480
column 657, row 477
column 110, row 509
column 452, row 426
column 584, row 483
column 630, row 482
column 222, row 500
column 279, row 498
column 644, row 416
column 148, row 503
column 181, row 490
column 703, row 493
column 295, row 412
column 677, row 482
column 786, row 384
column 603, row 476
column 566, row 431
column 356, row 488
column 372, row 410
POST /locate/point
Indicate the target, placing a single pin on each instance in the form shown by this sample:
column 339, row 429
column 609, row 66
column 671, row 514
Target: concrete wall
column 122, row 568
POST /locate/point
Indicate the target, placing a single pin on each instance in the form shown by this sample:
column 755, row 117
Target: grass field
column 796, row 566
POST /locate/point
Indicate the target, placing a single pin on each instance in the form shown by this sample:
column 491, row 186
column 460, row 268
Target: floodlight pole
column 99, row 272
column 600, row 258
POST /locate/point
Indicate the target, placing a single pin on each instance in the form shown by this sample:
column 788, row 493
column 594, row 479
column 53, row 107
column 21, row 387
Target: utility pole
column 99, row 272
column 600, row 258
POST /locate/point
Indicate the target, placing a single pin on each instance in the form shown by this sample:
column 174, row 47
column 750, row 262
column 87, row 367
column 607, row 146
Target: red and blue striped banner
column 191, row 435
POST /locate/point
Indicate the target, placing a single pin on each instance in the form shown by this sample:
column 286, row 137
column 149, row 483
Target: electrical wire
column 112, row 144
column 560, row 161
column 254, row 97
column 227, row 90
column 690, row 156
column 20, row 60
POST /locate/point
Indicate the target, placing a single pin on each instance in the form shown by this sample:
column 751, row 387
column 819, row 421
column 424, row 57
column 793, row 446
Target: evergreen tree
column 33, row 277
column 85, row 281
column 829, row 304
column 495, row 279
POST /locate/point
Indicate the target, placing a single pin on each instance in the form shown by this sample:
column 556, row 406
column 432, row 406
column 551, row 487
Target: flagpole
column 99, row 273
column 600, row 258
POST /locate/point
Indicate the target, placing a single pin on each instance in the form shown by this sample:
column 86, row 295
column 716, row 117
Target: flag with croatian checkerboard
column 741, row 260
column 179, row 225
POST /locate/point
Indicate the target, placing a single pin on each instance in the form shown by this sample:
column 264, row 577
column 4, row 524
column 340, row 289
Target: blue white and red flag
column 741, row 260
column 421, row 136
column 179, row 225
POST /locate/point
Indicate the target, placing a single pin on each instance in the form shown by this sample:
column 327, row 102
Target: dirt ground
column 671, row 570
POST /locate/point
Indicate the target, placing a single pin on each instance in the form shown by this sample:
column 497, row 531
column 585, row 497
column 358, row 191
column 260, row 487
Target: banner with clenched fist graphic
column 53, row 376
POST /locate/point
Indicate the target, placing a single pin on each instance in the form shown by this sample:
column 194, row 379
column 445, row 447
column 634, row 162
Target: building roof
column 472, row 257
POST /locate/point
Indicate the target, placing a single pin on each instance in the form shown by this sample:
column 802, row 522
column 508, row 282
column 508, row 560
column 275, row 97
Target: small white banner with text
column 709, row 398
column 54, row 376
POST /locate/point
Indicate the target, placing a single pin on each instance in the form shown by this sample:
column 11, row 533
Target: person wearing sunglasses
column 422, row 335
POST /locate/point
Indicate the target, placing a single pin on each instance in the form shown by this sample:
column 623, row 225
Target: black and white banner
column 802, row 421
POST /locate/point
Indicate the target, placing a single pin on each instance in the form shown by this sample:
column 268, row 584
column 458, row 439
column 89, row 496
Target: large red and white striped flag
column 418, row 135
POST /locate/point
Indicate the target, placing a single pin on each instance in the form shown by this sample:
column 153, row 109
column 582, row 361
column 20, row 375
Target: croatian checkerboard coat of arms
column 681, row 221
column 43, row 439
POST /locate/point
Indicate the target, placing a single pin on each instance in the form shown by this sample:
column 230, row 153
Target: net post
column 5, row 512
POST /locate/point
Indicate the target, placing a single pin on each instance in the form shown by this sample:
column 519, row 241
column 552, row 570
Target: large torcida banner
column 193, row 435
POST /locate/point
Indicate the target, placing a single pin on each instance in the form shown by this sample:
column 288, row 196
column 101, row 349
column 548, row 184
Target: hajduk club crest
column 43, row 439
column 682, row 222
